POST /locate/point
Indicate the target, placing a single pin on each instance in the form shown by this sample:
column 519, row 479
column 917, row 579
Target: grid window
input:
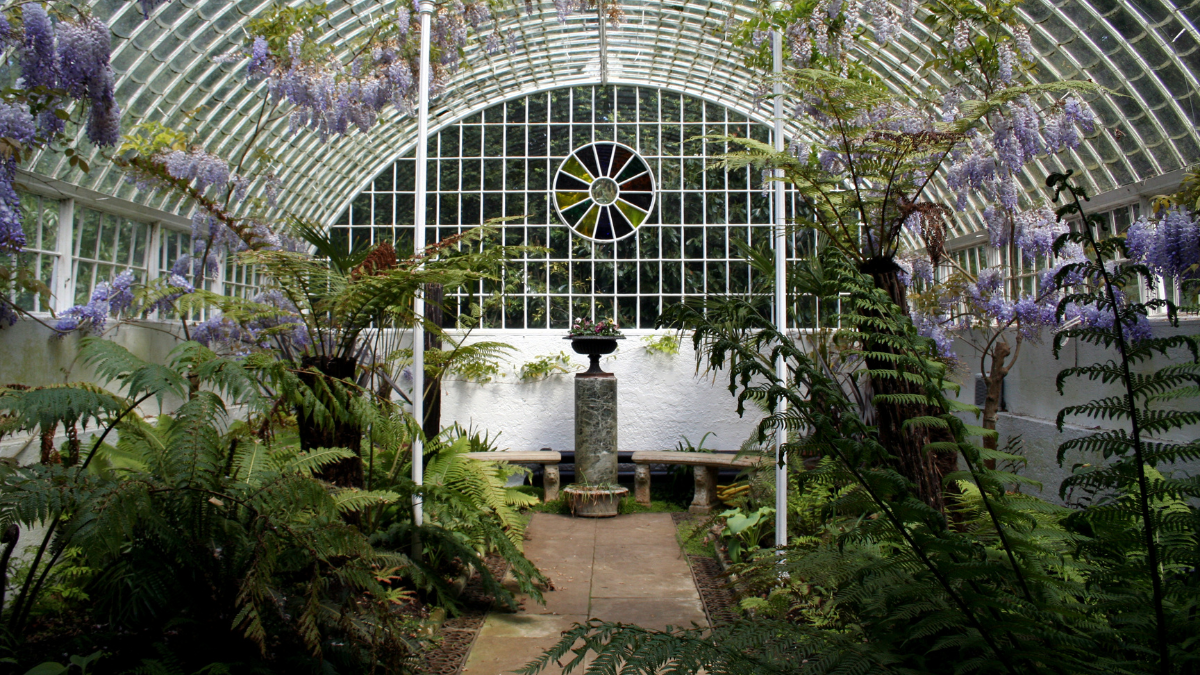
column 241, row 280
column 105, row 246
column 499, row 163
column 172, row 246
column 39, row 219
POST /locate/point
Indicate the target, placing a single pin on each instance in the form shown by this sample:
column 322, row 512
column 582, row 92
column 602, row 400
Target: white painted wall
column 1033, row 401
column 660, row 398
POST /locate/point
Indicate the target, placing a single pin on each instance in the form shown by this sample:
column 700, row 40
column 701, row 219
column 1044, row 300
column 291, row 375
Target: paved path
column 629, row 569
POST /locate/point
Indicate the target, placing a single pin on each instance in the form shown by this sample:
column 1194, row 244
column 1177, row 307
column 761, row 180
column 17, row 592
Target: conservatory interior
column 604, row 336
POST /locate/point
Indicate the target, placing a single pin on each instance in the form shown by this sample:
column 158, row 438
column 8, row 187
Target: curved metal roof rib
column 1147, row 52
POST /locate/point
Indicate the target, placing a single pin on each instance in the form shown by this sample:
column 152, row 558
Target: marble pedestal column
column 596, row 429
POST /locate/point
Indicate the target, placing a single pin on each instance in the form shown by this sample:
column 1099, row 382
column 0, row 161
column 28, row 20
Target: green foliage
column 75, row 664
column 151, row 138
column 474, row 362
column 543, row 367
column 883, row 582
column 664, row 345
column 280, row 22
column 63, row 590
column 1188, row 195
column 1140, row 523
column 470, row 513
column 685, row 445
column 743, row 532
column 191, row 517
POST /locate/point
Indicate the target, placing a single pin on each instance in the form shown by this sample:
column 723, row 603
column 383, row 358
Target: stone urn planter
column 594, row 346
column 594, row 501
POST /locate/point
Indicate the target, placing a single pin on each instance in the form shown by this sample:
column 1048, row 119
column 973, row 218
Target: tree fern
column 1131, row 494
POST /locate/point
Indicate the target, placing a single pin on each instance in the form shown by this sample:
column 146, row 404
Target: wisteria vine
column 59, row 61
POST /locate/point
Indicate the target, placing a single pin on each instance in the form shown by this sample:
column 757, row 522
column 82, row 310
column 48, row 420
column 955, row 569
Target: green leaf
column 47, row 668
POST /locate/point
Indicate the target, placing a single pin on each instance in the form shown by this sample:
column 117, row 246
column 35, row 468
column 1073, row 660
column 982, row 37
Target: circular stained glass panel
column 604, row 191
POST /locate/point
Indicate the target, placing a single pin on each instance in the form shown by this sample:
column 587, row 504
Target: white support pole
column 781, row 471
column 418, row 345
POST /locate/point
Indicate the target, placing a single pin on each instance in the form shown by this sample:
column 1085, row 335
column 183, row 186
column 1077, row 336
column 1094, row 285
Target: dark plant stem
column 1160, row 617
column 10, row 538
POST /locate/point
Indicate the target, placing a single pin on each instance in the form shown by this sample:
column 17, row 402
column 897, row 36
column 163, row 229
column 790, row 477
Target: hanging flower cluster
column 936, row 328
column 828, row 33
column 59, row 62
column 282, row 329
column 116, row 298
column 333, row 97
column 108, row 298
column 1169, row 244
column 70, row 57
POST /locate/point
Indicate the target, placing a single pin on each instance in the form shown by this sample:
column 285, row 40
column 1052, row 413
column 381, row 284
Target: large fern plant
column 190, row 516
column 1142, row 529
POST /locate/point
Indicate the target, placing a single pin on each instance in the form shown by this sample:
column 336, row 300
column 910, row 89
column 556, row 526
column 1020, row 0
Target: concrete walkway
column 628, row 569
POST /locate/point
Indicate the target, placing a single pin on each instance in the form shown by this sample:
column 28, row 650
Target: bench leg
column 550, row 482
column 706, row 489
column 641, row 484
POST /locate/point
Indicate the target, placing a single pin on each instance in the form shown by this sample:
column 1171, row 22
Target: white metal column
column 781, row 470
column 418, row 345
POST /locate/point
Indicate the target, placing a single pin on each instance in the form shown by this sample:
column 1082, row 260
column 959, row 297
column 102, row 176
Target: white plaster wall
column 1033, row 402
column 660, row 398
column 32, row 354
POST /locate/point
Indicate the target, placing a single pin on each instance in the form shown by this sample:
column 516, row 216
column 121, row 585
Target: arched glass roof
column 1146, row 51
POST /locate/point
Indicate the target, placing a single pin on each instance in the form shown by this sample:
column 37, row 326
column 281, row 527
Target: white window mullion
column 218, row 286
column 63, row 286
column 154, row 257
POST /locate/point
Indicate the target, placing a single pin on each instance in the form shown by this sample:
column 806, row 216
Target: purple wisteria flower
column 196, row 165
column 962, row 36
column 987, row 296
column 1169, row 246
column 1022, row 41
column 1070, row 254
column 108, row 299
column 38, row 59
column 16, row 125
column 179, row 287
column 1036, row 232
column 1093, row 316
column 914, row 265
column 261, row 64
column 884, row 19
column 1034, row 313
column 222, row 334
column 285, row 326
column 1005, row 59
column 935, row 328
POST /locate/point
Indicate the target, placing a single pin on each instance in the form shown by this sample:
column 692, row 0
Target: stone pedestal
column 596, row 430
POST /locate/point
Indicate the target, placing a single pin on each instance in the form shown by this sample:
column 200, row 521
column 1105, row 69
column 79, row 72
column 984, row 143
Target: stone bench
column 549, row 460
column 706, row 466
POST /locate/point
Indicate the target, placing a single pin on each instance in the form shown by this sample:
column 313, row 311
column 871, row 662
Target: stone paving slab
column 628, row 569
